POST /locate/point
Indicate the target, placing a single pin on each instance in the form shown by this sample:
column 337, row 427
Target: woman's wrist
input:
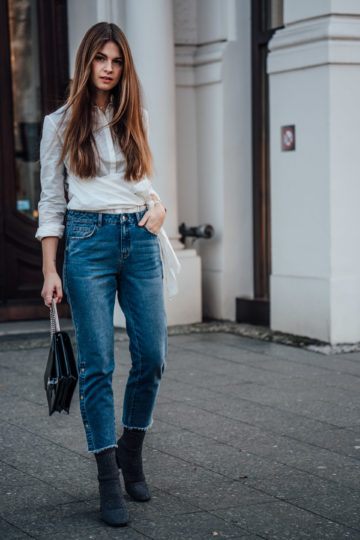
column 49, row 269
column 159, row 202
column 156, row 201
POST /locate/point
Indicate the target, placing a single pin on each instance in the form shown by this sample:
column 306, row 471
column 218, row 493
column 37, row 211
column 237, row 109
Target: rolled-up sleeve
column 52, row 204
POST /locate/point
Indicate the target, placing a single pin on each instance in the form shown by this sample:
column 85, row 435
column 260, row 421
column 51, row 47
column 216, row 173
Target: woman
column 99, row 139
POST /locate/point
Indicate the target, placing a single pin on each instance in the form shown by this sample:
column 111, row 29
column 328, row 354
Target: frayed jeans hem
column 102, row 449
column 136, row 427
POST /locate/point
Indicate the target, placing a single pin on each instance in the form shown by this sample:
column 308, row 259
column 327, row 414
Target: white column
column 149, row 30
column 213, row 79
column 314, row 80
column 111, row 11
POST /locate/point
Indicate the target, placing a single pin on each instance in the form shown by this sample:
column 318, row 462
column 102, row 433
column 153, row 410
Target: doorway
column 266, row 18
column 35, row 75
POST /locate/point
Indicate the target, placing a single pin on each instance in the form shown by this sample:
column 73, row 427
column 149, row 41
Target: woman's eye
column 99, row 58
column 119, row 61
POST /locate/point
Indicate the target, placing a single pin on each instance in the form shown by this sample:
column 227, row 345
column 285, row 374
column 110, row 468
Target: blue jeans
column 106, row 253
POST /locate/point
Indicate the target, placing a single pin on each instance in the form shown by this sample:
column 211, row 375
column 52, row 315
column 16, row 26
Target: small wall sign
column 288, row 138
column 22, row 204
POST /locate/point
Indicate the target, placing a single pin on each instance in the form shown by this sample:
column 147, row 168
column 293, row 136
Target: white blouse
column 107, row 192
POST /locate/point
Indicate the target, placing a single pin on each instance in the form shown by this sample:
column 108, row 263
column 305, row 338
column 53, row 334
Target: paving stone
column 49, row 462
column 264, row 416
column 345, row 441
column 318, row 370
column 222, row 351
column 14, row 384
column 212, row 418
column 195, row 526
column 19, row 490
column 204, row 452
column 319, row 461
column 306, row 457
column 177, row 474
column 329, row 499
column 102, row 532
column 328, row 412
column 161, row 504
column 209, row 495
column 275, row 356
column 13, row 408
column 203, row 380
column 177, row 390
column 69, row 520
column 337, row 503
column 284, row 520
column 263, row 438
column 10, row 532
column 243, row 372
column 169, row 472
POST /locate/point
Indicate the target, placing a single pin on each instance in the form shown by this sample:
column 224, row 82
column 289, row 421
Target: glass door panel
column 25, row 75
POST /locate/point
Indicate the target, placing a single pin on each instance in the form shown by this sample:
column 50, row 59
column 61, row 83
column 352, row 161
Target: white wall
column 238, row 233
column 314, row 76
column 84, row 13
column 213, row 80
column 80, row 18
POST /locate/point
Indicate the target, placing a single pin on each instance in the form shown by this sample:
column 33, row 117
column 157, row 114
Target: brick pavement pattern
column 250, row 440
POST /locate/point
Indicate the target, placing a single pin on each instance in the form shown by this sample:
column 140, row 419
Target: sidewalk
column 250, row 440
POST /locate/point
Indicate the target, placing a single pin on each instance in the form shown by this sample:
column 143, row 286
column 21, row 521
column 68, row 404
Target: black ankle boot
column 112, row 504
column 129, row 460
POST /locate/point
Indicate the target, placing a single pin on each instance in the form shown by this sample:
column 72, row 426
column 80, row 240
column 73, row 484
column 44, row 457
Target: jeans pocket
column 80, row 231
column 150, row 232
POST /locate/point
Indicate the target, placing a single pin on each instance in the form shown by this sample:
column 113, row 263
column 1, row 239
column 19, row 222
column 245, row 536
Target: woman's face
column 107, row 67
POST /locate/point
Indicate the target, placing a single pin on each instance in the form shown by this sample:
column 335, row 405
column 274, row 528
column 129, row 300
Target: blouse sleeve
column 146, row 124
column 52, row 204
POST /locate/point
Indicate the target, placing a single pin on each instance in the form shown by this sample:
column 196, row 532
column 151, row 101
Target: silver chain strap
column 54, row 319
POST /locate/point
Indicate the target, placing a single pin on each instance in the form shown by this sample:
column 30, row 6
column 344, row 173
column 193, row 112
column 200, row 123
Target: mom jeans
column 107, row 254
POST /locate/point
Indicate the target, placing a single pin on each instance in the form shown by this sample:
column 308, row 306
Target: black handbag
column 61, row 373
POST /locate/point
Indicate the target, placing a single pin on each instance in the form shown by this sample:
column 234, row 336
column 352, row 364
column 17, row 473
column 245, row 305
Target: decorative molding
column 199, row 65
column 321, row 41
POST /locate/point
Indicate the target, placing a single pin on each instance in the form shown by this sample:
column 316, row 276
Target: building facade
column 252, row 126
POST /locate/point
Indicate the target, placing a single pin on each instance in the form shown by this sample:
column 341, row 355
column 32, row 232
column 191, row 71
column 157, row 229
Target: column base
column 301, row 306
column 253, row 311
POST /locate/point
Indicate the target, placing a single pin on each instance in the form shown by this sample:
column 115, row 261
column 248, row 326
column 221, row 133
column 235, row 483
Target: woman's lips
column 106, row 79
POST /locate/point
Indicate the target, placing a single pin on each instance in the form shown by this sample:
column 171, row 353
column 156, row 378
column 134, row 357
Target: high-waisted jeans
column 106, row 253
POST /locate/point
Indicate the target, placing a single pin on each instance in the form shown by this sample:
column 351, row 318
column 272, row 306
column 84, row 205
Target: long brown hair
column 127, row 124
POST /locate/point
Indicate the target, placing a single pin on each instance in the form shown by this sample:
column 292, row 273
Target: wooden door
column 34, row 78
column 266, row 17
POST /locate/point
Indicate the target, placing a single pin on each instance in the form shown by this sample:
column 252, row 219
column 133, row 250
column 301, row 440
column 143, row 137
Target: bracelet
column 157, row 201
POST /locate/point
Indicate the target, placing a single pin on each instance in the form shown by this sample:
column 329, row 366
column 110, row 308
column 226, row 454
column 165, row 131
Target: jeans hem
column 136, row 427
column 101, row 449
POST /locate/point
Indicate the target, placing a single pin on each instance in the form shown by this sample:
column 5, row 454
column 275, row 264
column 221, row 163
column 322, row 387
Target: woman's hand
column 52, row 288
column 52, row 283
column 154, row 218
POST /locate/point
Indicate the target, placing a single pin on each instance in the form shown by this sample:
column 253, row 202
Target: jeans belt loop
column 100, row 219
column 138, row 216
